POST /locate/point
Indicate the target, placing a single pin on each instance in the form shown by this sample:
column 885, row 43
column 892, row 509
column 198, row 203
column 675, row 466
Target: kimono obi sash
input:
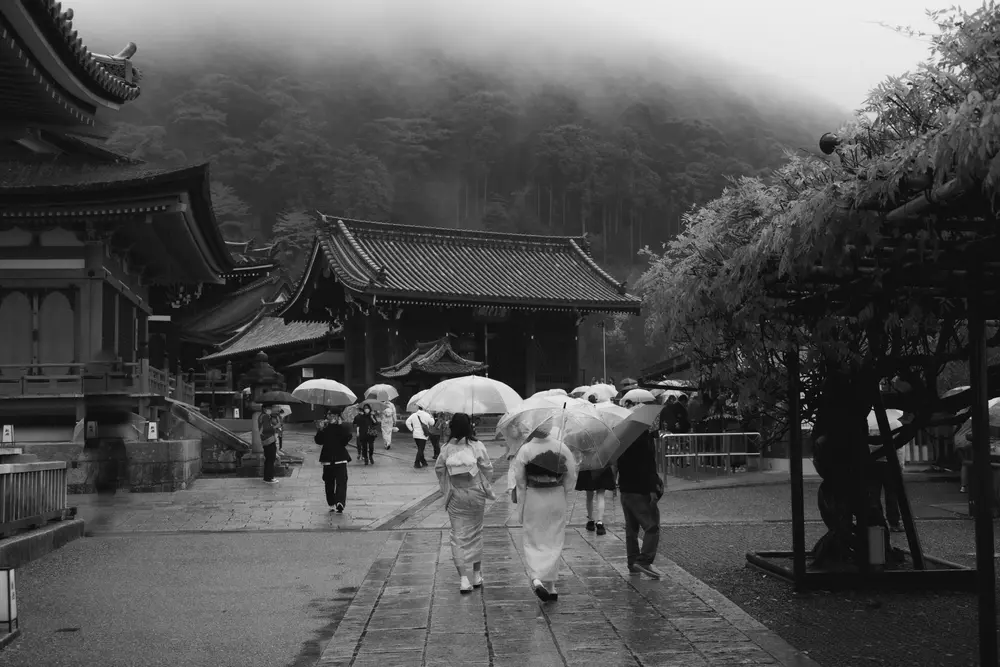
column 465, row 480
column 537, row 481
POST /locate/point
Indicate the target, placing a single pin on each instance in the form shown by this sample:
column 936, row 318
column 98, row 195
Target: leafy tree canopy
column 709, row 294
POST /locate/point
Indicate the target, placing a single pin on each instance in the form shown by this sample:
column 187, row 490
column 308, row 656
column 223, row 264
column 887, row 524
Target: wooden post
column 795, row 470
column 348, row 333
column 486, row 347
column 229, row 375
column 896, row 480
column 983, row 499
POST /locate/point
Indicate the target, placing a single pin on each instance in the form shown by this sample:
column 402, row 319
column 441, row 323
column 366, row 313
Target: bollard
column 8, row 600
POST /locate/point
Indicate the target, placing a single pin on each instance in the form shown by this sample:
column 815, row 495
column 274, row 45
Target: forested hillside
column 617, row 151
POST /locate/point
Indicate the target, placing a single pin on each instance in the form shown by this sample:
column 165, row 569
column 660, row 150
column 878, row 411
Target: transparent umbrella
column 604, row 392
column 412, row 405
column 471, row 394
column 582, row 430
column 382, row 392
column 322, row 391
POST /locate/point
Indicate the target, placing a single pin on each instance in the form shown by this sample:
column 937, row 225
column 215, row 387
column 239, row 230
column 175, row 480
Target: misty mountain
column 558, row 144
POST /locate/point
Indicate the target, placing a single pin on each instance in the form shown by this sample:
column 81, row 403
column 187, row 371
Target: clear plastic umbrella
column 550, row 392
column 323, row 391
column 382, row 392
column 604, row 392
column 580, row 391
column 638, row 396
column 583, row 430
column 412, row 405
column 471, row 394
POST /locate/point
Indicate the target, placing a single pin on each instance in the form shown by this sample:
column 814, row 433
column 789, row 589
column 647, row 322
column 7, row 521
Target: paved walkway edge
column 397, row 518
column 786, row 654
column 8, row 638
column 21, row 549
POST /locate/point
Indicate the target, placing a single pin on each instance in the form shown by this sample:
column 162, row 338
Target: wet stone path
column 409, row 612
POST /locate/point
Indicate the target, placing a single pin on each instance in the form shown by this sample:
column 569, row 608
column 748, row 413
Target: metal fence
column 31, row 494
column 697, row 455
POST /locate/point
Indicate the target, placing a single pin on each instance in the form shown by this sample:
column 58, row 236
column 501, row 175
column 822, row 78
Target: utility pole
column 604, row 349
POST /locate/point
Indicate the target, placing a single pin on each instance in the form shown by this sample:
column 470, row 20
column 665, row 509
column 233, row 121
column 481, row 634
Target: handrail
column 31, row 494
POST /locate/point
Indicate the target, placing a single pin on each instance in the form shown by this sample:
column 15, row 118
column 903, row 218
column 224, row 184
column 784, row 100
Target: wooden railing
column 695, row 455
column 31, row 494
column 76, row 378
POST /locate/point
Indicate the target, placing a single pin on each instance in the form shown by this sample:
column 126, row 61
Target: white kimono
column 543, row 507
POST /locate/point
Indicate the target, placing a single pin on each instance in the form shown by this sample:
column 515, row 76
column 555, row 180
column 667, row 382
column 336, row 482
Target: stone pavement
column 409, row 612
column 376, row 495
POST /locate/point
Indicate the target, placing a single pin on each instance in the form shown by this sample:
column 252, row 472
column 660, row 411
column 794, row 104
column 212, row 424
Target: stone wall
column 163, row 465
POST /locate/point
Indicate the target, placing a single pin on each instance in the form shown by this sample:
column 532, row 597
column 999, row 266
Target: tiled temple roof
column 434, row 358
column 215, row 322
column 111, row 77
column 408, row 264
column 268, row 333
column 248, row 257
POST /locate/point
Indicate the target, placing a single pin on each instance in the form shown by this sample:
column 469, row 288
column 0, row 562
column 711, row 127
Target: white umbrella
column 893, row 416
column 472, row 395
column 550, row 392
column 604, row 392
column 412, row 405
column 322, row 391
column 580, row 391
column 638, row 396
column 613, row 414
column 285, row 410
column 382, row 392
column 581, row 428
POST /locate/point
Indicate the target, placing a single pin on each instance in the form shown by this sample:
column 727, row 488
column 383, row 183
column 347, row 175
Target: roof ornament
column 622, row 287
column 382, row 274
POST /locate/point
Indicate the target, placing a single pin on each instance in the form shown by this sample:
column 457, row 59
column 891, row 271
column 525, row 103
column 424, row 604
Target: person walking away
column 388, row 421
column 368, row 430
column 545, row 471
column 879, row 481
column 640, row 489
column 596, row 483
column 465, row 473
column 334, row 436
column 435, row 431
column 269, row 441
column 416, row 423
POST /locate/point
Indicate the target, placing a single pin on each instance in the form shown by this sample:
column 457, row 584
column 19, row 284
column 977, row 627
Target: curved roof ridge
column 597, row 267
column 453, row 231
column 247, row 328
column 371, row 263
column 111, row 77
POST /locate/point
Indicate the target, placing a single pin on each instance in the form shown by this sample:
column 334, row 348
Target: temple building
column 86, row 238
column 511, row 302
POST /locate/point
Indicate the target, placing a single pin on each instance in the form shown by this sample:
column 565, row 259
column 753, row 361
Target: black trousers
column 641, row 511
column 366, row 448
column 335, row 481
column 270, row 455
column 436, row 444
column 420, row 443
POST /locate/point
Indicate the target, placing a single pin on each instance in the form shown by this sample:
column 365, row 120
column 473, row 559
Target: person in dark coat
column 369, row 427
column 640, row 489
column 334, row 436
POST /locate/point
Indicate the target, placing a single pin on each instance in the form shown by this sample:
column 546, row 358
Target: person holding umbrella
column 640, row 489
column 368, row 430
column 544, row 471
column 334, row 436
column 268, row 440
column 465, row 473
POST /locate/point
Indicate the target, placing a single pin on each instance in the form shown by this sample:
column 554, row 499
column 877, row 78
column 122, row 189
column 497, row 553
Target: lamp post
column 8, row 600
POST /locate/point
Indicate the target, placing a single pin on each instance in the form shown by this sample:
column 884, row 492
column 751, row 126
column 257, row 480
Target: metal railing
column 697, row 455
column 31, row 494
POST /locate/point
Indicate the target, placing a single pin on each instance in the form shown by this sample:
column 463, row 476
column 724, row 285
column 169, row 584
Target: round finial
column 828, row 143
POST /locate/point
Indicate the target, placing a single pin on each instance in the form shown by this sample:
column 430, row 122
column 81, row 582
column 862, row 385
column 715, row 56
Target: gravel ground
column 218, row 600
column 843, row 628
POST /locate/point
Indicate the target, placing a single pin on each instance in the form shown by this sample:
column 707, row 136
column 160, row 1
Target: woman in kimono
column 388, row 421
column 545, row 472
column 465, row 473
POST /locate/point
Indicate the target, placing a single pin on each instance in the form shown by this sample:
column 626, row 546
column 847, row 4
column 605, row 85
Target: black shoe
column 648, row 570
column 553, row 597
column 541, row 592
column 590, row 526
column 600, row 528
column 340, row 508
column 417, row 465
column 632, row 569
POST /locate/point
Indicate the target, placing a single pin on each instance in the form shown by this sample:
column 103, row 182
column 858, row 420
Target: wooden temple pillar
column 369, row 350
column 349, row 338
column 982, row 470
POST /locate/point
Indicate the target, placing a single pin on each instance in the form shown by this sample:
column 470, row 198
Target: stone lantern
column 260, row 378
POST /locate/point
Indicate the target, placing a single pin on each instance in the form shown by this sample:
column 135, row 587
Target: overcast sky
column 834, row 50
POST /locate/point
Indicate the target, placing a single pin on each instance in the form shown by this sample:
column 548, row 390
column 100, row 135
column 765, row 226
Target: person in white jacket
column 417, row 423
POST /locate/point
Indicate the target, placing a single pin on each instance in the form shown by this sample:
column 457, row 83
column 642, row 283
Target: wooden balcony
column 74, row 380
